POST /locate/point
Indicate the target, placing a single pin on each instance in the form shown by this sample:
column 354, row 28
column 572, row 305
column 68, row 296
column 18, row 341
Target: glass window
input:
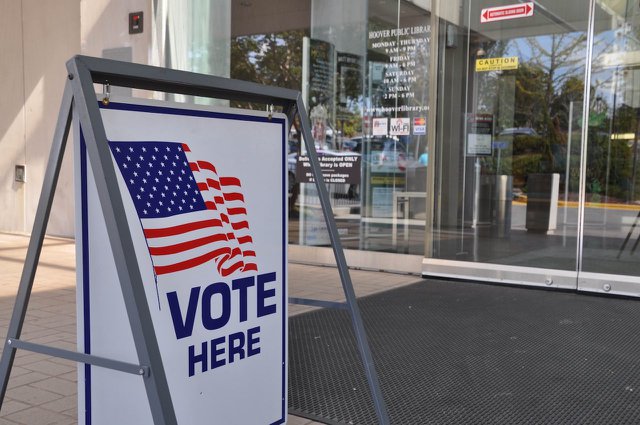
column 367, row 94
column 362, row 68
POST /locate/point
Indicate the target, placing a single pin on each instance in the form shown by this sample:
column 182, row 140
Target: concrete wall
column 37, row 37
column 264, row 17
column 50, row 36
column 105, row 25
column 12, row 117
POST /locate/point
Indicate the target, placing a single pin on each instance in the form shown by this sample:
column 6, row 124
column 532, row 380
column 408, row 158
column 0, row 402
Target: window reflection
column 612, row 210
column 362, row 69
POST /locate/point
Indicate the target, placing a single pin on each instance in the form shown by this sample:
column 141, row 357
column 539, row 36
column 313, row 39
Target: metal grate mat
column 450, row 352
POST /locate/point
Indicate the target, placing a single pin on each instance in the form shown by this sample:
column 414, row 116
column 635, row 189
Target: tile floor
column 42, row 390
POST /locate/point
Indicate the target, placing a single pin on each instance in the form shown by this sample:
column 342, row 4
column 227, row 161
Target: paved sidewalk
column 42, row 390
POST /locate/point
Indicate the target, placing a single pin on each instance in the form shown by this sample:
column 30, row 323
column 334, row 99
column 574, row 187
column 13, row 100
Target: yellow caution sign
column 496, row 64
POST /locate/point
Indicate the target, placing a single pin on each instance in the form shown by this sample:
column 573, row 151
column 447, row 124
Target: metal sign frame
column 79, row 98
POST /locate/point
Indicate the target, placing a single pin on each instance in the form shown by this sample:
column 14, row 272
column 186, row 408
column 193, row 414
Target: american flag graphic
column 189, row 215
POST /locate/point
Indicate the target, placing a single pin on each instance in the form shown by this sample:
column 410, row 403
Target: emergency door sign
column 511, row 11
column 205, row 195
column 479, row 134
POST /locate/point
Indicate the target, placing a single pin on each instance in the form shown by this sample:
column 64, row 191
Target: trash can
column 542, row 202
column 502, row 200
column 496, row 196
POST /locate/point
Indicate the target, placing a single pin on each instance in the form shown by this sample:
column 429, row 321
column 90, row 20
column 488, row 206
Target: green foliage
column 272, row 59
column 538, row 97
column 351, row 122
column 572, row 90
column 609, row 167
column 529, row 101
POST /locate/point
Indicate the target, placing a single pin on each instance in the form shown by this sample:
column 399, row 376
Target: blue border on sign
column 285, row 301
column 85, row 231
column 85, row 277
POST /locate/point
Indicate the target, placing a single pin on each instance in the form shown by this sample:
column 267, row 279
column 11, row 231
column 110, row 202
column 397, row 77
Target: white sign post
column 205, row 196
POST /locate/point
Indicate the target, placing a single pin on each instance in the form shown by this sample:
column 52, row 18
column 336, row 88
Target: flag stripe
column 181, row 228
column 229, row 270
column 250, row 267
column 207, row 166
column 236, row 211
column 233, row 196
column 236, row 266
column 213, row 183
column 229, row 181
column 193, row 262
column 240, row 225
column 185, row 246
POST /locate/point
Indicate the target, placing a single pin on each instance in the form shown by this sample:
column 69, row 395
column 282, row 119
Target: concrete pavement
column 43, row 390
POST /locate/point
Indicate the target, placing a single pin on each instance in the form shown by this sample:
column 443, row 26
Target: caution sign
column 496, row 64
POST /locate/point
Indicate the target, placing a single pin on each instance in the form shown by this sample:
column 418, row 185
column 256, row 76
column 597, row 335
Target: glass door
column 610, row 260
column 537, row 151
column 511, row 88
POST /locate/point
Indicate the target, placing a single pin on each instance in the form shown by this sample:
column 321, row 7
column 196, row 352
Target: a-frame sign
column 117, row 205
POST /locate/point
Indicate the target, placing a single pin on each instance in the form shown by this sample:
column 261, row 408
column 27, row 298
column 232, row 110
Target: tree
column 549, row 77
column 273, row 59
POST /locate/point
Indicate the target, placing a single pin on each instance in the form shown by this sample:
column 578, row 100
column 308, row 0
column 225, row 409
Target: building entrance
column 536, row 145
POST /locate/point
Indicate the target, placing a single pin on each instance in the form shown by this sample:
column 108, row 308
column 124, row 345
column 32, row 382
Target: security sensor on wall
column 20, row 174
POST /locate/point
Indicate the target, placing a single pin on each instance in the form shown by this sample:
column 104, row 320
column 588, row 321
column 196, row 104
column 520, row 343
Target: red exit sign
column 501, row 13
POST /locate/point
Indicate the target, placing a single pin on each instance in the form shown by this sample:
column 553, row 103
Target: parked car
column 384, row 154
column 514, row 131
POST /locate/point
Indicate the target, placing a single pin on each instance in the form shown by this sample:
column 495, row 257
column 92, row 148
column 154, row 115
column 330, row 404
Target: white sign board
column 399, row 127
column 380, row 126
column 419, row 126
column 479, row 134
column 205, row 194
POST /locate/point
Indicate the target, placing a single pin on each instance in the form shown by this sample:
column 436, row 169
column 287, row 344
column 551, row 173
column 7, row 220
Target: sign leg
column 343, row 270
column 121, row 243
